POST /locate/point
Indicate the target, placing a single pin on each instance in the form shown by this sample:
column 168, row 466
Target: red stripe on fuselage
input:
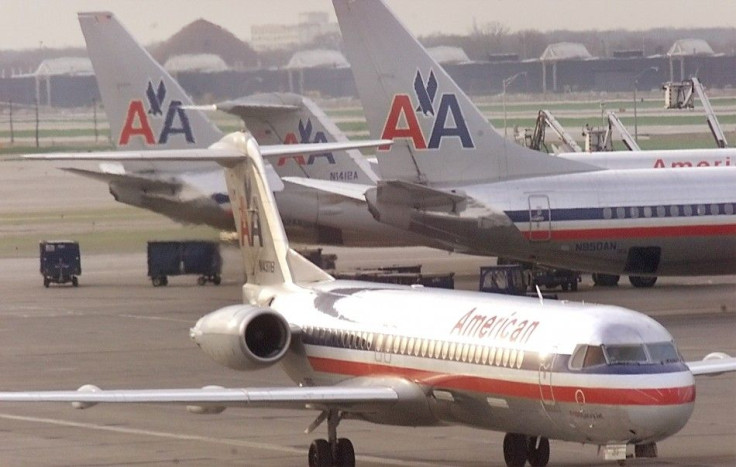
column 498, row 387
column 633, row 232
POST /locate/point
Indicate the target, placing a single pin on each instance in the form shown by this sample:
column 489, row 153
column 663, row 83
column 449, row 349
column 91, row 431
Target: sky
column 28, row 24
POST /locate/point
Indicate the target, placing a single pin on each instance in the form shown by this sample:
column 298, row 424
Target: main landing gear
column 518, row 449
column 333, row 451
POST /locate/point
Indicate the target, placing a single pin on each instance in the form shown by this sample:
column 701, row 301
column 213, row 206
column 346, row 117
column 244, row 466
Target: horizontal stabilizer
column 422, row 197
column 347, row 190
column 220, row 154
column 246, row 107
column 713, row 364
column 147, row 183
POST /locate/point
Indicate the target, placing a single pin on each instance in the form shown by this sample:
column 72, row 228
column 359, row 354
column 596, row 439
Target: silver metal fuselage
column 639, row 222
column 492, row 362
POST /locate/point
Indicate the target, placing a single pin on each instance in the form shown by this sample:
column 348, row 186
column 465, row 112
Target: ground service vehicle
column 60, row 262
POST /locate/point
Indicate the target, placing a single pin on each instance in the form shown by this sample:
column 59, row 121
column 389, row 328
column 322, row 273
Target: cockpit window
column 587, row 355
column 663, row 352
column 629, row 353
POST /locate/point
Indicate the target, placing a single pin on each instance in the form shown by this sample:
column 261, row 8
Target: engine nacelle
column 243, row 337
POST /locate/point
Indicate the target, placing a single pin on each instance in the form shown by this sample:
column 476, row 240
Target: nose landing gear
column 518, row 449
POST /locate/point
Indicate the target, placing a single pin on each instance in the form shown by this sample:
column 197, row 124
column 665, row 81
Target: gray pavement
column 117, row 331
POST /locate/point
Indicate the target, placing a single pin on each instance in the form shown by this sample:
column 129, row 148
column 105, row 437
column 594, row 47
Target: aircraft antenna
column 539, row 294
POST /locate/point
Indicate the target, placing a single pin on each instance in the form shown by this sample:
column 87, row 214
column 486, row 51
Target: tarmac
column 117, row 331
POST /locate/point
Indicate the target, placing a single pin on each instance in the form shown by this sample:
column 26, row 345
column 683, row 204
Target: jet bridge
column 680, row 95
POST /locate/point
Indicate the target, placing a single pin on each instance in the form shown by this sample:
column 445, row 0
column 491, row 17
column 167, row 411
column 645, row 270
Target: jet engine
column 243, row 337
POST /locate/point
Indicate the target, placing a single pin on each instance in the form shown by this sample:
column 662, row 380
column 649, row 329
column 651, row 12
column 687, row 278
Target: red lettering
column 659, row 164
column 704, row 164
column 461, row 324
column 299, row 159
column 402, row 106
column 136, row 123
column 244, row 231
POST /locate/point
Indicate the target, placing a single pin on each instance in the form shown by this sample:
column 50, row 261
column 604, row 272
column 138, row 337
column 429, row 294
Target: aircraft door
column 546, row 392
column 540, row 219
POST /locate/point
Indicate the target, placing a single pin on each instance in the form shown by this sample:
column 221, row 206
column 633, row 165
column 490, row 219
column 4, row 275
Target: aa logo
column 159, row 122
column 250, row 221
column 445, row 117
column 305, row 137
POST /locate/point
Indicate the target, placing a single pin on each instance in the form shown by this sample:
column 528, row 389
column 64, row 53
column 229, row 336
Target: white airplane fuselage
column 493, row 362
column 311, row 216
column 637, row 222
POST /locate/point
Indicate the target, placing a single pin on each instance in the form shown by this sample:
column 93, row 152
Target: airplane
column 451, row 177
column 413, row 356
column 147, row 108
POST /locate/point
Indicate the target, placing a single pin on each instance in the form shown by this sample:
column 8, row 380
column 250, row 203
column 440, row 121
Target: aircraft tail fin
column 142, row 101
column 439, row 135
column 286, row 118
column 267, row 258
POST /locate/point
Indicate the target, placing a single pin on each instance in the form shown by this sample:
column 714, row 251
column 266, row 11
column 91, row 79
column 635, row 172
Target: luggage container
column 175, row 258
column 60, row 262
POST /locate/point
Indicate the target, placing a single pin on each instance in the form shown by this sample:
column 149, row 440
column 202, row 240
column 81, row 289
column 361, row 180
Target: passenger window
column 464, row 353
column 445, row 348
column 407, row 346
column 379, row 343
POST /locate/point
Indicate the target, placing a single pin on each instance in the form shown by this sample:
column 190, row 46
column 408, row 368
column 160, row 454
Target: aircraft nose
column 659, row 422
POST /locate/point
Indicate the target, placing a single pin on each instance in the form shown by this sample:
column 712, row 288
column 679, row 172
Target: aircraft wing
column 712, row 365
column 247, row 107
column 341, row 397
column 352, row 191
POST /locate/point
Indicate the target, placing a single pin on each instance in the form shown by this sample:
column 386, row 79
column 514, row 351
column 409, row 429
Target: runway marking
column 203, row 439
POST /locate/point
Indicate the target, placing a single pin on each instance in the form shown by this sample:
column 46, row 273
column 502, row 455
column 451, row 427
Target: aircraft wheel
column 216, row 280
column 75, row 281
column 46, row 282
column 642, row 282
column 606, row 280
column 201, row 280
column 538, row 454
column 345, row 453
column 515, row 449
column 645, row 450
column 156, row 281
column 319, row 454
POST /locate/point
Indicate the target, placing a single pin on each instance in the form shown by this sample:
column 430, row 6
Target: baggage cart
column 174, row 258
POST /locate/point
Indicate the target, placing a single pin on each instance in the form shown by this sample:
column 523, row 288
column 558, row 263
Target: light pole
column 636, row 85
column 506, row 83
